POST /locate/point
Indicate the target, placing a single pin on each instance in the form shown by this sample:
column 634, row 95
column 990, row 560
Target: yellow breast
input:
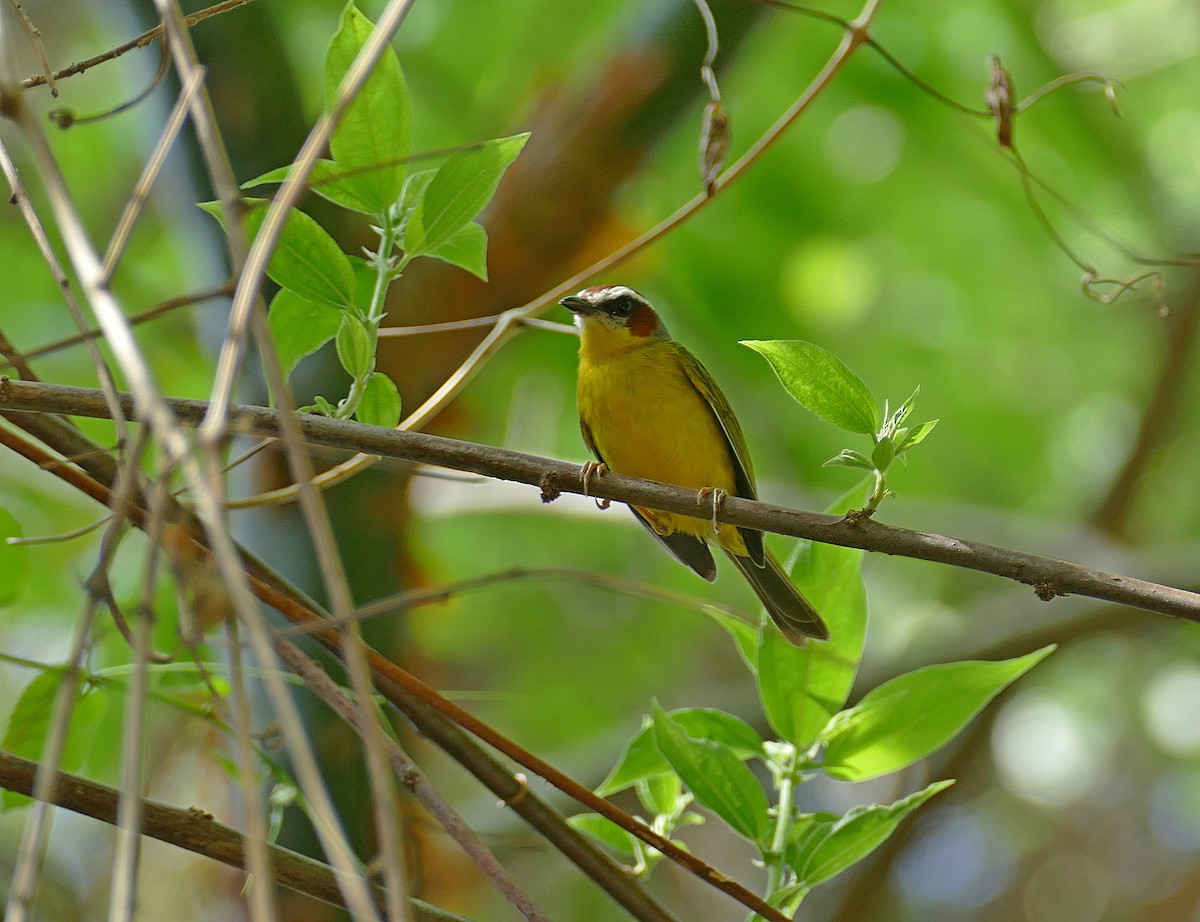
column 648, row 420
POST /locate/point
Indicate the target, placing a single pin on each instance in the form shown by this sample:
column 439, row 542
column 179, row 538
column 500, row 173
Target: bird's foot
column 718, row 500
column 591, row 471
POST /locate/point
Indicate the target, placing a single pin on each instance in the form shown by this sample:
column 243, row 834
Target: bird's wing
column 743, row 471
column 689, row 550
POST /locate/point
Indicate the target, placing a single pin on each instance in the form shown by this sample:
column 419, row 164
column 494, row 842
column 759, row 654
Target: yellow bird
column 649, row 409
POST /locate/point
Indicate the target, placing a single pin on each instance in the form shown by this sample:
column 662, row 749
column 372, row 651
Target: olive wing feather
column 743, row 470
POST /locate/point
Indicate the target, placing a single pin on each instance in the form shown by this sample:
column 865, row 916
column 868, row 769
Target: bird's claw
column 718, row 500
column 592, row 470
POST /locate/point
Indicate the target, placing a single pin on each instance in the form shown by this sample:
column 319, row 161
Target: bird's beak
column 576, row 305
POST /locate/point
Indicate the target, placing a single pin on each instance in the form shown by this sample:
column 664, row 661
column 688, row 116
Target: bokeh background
column 886, row 226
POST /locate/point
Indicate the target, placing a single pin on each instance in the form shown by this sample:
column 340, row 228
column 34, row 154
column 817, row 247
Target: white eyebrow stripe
column 611, row 293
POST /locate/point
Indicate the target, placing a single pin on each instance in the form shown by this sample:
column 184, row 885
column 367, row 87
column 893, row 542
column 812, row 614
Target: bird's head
column 615, row 315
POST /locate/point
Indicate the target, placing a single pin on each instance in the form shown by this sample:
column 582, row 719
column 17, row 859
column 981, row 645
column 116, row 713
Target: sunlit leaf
column 306, row 258
column 459, row 190
column 909, row 717
column 716, row 776
column 828, row 845
column 374, row 138
column 821, row 382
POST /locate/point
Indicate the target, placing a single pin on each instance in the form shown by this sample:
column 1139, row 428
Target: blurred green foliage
column 883, row 226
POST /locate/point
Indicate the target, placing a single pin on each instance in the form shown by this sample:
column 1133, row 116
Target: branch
column 1048, row 576
column 140, row 42
column 432, row 714
column 195, row 830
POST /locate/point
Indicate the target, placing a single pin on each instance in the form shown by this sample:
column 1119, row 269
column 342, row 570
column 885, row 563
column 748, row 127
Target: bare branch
column 196, row 831
column 1048, row 576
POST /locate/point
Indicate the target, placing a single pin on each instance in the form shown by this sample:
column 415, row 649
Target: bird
column 649, row 409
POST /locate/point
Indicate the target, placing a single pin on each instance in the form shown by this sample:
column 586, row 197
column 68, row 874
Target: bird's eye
column 622, row 306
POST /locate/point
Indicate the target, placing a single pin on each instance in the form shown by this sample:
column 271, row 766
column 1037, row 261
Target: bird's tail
column 791, row 612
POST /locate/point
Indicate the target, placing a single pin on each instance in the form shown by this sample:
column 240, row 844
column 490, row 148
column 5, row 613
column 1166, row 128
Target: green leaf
column 29, row 725
column 380, row 404
column 820, row 382
column 375, row 134
column 355, row 347
column 459, row 190
column 14, row 559
column 720, row 727
column 719, row 780
column 641, row 759
column 467, row 249
column 299, row 327
column 327, row 179
column 803, row 687
column 605, row 831
column 828, row 845
column 660, row 793
column 909, row 717
column 915, row 436
column 848, row 457
column 884, row 453
column 306, row 258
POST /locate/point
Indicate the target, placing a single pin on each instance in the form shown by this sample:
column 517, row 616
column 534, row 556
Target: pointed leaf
column 915, row 436
column 821, row 382
column 327, row 179
column 467, row 249
column 719, row 780
column 660, row 793
column 459, row 190
column 914, row 714
column 306, row 258
column 374, row 139
column 848, row 457
column 829, row 846
column 641, row 758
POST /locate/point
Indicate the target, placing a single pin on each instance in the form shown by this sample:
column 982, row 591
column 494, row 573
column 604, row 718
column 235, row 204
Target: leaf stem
column 787, row 777
column 387, row 270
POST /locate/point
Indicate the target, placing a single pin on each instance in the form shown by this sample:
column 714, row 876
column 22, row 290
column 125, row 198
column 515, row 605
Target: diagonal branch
column 419, row 703
column 1049, row 577
column 196, row 831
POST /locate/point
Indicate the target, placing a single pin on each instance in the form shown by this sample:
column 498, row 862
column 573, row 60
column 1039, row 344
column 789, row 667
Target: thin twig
column 223, row 290
column 150, row 171
column 416, row 598
column 140, row 42
column 319, row 682
column 42, row 239
column 35, row 39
